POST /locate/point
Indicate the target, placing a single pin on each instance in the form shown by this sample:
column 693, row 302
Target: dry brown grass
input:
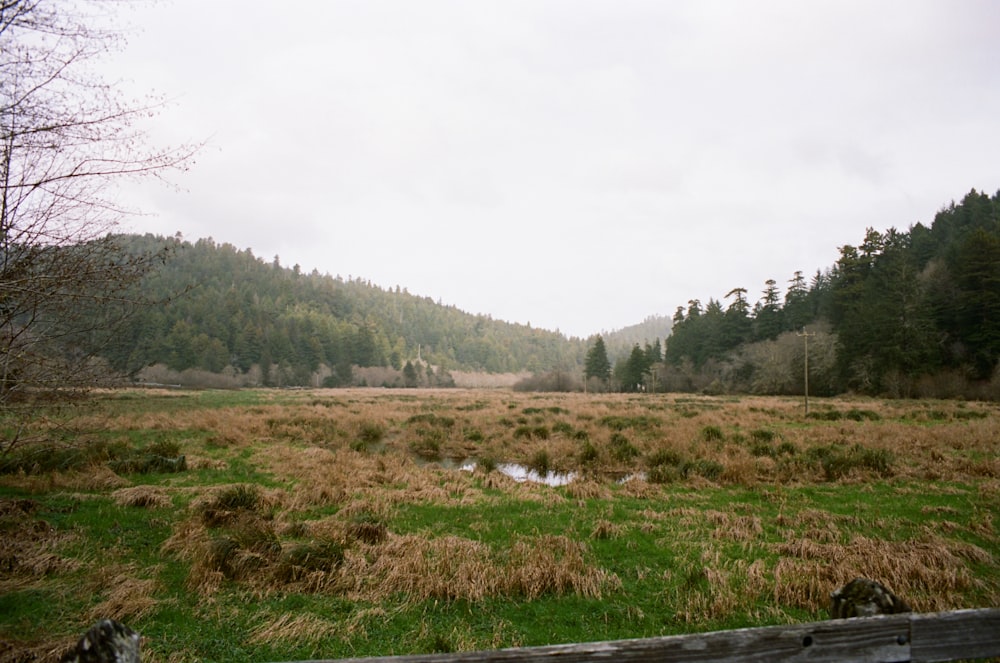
column 30, row 549
column 346, row 476
column 301, row 629
column 451, row 567
column 931, row 573
column 125, row 597
column 142, row 496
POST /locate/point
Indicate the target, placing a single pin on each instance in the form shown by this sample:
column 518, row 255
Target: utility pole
column 805, row 337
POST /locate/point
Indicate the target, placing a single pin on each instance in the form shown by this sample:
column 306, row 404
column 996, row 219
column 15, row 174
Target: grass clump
column 367, row 527
column 838, row 462
column 703, row 467
column 825, row 415
column 856, row 414
column 431, row 419
column 622, row 448
column 712, row 433
column 621, row 422
column 540, row 462
column 588, row 453
column 664, row 466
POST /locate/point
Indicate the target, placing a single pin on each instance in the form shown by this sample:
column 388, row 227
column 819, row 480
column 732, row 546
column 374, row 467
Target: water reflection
column 521, row 473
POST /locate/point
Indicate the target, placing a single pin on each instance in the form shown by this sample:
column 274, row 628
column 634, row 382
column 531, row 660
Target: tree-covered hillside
column 902, row 313
column 240, row 315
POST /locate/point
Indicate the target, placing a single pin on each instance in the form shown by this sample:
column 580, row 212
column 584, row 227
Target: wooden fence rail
column 915, row 637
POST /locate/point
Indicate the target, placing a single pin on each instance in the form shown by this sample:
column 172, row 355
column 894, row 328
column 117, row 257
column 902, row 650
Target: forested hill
column 241, row 314
column 903, row 313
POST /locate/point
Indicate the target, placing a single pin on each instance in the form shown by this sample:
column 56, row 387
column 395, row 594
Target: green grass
column 682, row 549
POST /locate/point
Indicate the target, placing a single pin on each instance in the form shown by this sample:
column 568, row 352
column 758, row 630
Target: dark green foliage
column 709, row 469
column 540, row 462
column 588, row 453
column 640, row 422
column 664, row 457
column 837, row 461
column 826, row 415
column 562, row 427
column 787, row 448
column 622, row 448
column 664, row 474
column 474, row 435
column 712, row 434
column 762, row 435
column 596, row 364
column 160, row 456
column 371, row 432
column 855, row 414
column 249, row 312
column 523, row 431
column 907, row 309
column 486, row 463
column 431, row 419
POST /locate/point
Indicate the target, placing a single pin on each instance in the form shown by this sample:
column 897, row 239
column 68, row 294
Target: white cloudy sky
column 574, row 164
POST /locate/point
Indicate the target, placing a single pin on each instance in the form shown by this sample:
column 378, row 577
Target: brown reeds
column 931, row 573
column 152, row 497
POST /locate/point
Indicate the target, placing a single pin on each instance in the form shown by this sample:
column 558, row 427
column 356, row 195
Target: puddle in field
column 522, row 473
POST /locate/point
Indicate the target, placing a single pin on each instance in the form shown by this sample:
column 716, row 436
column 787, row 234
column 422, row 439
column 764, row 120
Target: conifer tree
column 597, row 364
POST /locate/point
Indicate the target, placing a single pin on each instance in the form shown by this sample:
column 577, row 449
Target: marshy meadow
column 287, row 525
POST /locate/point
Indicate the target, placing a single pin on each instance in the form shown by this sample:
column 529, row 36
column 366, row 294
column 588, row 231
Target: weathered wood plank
column 947, row 636
column 886, row 639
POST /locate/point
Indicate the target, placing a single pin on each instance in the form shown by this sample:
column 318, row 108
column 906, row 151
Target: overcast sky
column 576, row 165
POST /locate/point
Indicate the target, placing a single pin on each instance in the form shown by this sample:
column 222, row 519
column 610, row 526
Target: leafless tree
column 67, row 139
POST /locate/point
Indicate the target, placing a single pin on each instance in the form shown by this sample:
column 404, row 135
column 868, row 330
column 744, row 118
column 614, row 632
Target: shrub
column 474, row 435
column 710, row 469
column 487, row 464
column 621, row 448
column 429, row 444
column 588, row 453
column 762, row 435
column 855, row 414
column 663, row 474
column 540, row 462
column 664, row 457
column 371, row 432
column 838, row 462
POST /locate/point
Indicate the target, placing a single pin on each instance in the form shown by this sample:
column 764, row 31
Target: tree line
column 242, row 315
column 903, row 313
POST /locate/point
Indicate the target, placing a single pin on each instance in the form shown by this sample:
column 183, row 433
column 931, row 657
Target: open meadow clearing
column 333, row 523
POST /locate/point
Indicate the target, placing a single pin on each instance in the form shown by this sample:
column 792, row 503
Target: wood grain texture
column 921, row 638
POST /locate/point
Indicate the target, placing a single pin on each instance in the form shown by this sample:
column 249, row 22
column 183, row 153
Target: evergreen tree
column 596, row 364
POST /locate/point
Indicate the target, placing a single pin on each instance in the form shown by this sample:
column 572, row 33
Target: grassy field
column 308, row 524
